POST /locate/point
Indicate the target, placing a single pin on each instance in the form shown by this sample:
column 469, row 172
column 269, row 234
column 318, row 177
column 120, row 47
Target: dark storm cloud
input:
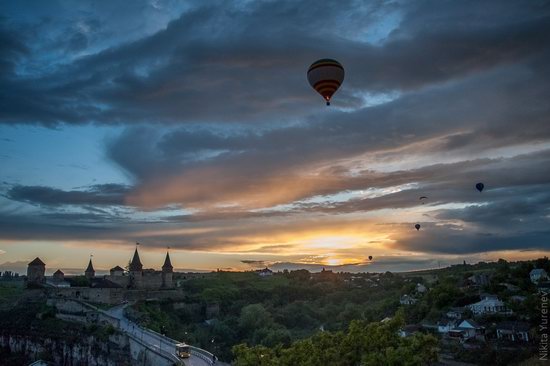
column 232, row 64
column 101, row 194
column 445, row 240
column 244, row 131
column 216, row 166
column 12, row 50
column 526, row 189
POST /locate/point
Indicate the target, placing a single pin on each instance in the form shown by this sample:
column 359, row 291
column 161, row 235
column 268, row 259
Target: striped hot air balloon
column 326, row 76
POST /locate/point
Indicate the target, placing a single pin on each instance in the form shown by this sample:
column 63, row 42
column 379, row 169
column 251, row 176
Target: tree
column 363, row 344
column 254, row 317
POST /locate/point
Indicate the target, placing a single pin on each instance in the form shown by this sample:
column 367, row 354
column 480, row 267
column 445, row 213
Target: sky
column 191, row 126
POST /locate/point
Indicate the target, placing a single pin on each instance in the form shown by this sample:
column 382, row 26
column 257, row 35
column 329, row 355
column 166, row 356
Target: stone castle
column 135, row 278
column 139, row 278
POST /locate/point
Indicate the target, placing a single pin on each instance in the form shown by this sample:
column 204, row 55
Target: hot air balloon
column 325, row 76
column 417, row 226
column 422, row 199
column 480, row 186
column 370, row 257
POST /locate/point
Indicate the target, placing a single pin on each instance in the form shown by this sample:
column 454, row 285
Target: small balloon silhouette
column 417, row 226
column 480, row 186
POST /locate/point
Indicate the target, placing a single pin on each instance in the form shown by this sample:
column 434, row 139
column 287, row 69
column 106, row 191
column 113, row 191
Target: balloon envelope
column 480, row 186
column 417, row 226
column 325, row 76
column 370, row 257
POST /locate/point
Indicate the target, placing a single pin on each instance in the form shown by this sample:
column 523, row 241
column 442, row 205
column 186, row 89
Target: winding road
column 154, row 340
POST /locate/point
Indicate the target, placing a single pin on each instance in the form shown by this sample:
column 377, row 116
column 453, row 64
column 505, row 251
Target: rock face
column 87, row 351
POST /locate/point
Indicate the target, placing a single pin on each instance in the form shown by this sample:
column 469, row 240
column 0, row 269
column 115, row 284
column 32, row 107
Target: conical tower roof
column 90, row 267
column 167, row 266
column 136, row 265
column 37, row 262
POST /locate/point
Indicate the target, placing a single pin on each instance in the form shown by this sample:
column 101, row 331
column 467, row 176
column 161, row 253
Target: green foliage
column 362, row 344
column 269, row 311
column 9, row 295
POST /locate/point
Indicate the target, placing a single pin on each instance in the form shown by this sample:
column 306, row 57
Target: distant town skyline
column 193, row 126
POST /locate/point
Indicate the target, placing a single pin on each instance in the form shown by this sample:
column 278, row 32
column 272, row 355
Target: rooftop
column 37, row 262
column 514, row 326
column 136, row 265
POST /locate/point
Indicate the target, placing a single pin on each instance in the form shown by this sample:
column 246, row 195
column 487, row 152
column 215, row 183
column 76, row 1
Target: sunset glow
column 122, row 131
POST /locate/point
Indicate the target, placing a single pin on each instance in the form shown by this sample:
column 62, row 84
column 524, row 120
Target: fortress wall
column 123, row 281
column 151, row 280
column 97, row 295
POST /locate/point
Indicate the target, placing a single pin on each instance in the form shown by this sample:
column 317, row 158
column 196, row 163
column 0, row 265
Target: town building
column 538, row 274
column 266, row 272
column 467, row 329
column 445, row 325
column 407, row 300
column 513, row 331
column 455, row 313
column 489, row 305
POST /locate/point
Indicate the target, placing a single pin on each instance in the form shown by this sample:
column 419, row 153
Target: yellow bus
column 182, row 350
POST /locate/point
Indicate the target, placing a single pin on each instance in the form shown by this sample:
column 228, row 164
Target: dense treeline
column 270, row 311
column 295, row 312
column 366, row 344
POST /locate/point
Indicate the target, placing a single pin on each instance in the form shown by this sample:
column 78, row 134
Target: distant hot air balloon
column 417, row 226
column 370, row 257
column 480, row 186
column 325, row 76
column 422, row 199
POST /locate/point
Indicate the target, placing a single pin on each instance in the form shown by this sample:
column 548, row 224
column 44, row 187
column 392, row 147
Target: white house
column 455, row 313
column 489, row 305
column 445, row 325
column 467, row 329
column 513, row 331
column 407, row 300
column 265, row 272
column 538, row 274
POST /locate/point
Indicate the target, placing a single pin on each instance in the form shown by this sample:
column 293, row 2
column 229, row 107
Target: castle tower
column 35, row 272
column 59, row 276
column 136, row 271
column 167, row 272
column 90, row 271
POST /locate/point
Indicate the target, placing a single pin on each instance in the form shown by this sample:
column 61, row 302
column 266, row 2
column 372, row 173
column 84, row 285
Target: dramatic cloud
column 233, row 64
column 224, row 147
column 101, row 194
